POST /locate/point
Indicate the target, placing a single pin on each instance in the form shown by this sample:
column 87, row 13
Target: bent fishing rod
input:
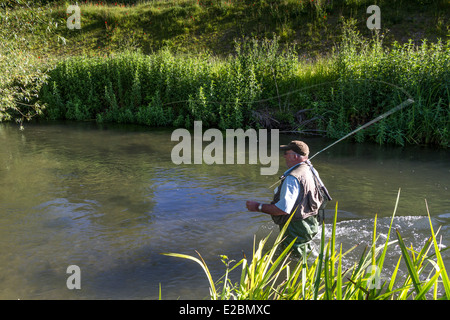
column 384, row 115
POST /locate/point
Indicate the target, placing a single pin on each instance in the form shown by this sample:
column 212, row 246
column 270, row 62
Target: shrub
column 359, row 81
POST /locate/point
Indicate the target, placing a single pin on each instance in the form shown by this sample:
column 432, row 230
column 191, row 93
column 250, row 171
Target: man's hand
column 267, row 208
column 252, row 205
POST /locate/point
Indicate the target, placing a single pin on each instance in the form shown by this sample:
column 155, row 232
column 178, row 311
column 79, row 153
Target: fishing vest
column 309, row 199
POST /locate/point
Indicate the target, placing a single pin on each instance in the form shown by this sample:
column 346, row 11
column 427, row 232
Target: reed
column 271, row 274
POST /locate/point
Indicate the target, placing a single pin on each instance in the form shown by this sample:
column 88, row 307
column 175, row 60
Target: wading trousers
column 303, row 231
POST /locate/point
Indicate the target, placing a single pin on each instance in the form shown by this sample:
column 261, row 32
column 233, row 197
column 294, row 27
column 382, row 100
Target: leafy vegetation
column 304, row 66
column 271, row 274
column 164, row 89
column 373, row 79
column 262, row 85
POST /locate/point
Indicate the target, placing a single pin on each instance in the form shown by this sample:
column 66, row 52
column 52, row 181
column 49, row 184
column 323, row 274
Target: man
column 298, row 194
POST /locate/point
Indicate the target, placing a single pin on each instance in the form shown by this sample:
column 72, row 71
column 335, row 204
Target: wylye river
column 109, row 200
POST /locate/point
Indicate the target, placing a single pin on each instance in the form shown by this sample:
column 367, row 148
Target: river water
column 109, row 200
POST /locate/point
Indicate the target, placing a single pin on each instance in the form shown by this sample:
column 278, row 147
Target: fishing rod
column 384, row 115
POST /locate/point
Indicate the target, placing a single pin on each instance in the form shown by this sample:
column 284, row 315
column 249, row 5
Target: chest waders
column 304, row 223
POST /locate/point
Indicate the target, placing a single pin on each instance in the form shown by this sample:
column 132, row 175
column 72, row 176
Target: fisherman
column 298, row 194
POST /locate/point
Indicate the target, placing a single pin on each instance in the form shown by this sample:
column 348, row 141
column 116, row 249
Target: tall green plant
column 272, row 273
column 374, row 78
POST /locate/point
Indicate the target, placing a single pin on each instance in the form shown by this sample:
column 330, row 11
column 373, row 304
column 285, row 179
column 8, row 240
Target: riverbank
column 129, row 63
column 262, row 86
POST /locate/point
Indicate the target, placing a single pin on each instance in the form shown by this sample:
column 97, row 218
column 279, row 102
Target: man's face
column 291, row 158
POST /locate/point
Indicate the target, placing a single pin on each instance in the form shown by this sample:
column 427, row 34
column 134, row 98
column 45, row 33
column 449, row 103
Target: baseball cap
column 297, row 146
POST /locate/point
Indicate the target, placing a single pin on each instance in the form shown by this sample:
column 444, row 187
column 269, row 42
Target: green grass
column 271, row 274
column 195, row 25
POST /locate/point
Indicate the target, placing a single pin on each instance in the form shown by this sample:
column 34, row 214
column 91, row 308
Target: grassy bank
column 198, row 25
column 262, row 86
column 308, row 66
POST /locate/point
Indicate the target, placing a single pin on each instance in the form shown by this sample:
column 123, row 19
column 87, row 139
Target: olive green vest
column 309, row 198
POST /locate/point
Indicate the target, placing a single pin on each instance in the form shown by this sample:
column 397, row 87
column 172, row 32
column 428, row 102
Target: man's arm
column 265, row 208
column 288, row 196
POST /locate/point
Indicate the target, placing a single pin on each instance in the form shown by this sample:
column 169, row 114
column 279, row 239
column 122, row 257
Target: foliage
column 23, row 69
column 360, row 81
column 374, row 79
column 21, row 79
column 158, row 89
column 272, row 274
column 262, row 83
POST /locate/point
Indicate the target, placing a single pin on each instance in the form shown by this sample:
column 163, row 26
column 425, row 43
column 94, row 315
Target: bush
column 157, row 89
column 374, row 79
column 21, row 80
column 359, row 81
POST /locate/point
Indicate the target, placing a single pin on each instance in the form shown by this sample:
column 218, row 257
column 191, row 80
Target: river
column 108, row 199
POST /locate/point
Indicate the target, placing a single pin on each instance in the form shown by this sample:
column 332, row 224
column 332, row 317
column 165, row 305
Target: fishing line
column 395, row 109
column 384, row 115
column 288, row 93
